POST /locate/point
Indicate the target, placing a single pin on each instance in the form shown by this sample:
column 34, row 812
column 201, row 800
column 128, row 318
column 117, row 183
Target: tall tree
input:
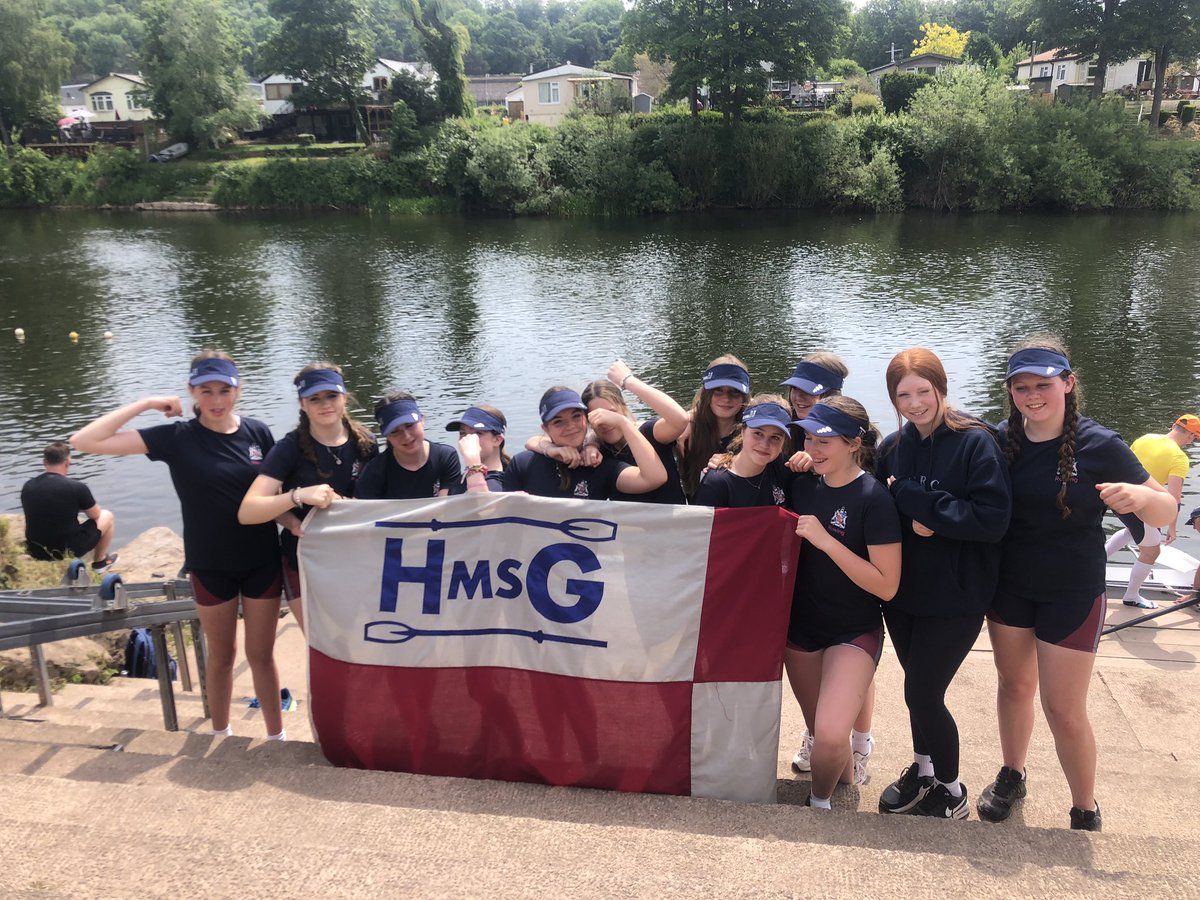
column 192, row 65
column 879, row 26
column 34, row 58
column 1170, row 29
column 444, row 46
column 943, row 39
column 327, row 45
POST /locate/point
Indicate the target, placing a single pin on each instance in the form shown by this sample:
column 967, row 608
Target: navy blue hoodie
column 957, row 484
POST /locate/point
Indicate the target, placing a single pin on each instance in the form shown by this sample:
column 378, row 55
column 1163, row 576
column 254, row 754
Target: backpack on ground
column 140, row 661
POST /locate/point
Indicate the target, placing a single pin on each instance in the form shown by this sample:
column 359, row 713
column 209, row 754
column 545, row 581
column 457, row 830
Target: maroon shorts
column 1074, row 624
column 212, row 588
column 869, row 642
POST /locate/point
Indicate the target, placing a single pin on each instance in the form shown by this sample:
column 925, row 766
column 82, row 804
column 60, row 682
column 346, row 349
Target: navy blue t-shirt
column 495, row 483
column 827, row 605
column 385, row 479
column 338, row 467
column 722, row 488
column 1044, row 555
column 539, row 475
column 955, row 483
column 211, row 473
column 672, row 490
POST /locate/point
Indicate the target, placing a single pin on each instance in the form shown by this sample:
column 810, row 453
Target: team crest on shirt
column 1074, row 474
column 777, row 495
column 355, row 469
column 437, row 486
column 838, row 522
column 256, row 454
column 581, row 489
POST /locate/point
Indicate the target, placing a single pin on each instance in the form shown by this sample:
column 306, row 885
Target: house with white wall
column 546, row 97
column 921, row 64
column 377, row 83
column 117, row 97
column 1046, row 71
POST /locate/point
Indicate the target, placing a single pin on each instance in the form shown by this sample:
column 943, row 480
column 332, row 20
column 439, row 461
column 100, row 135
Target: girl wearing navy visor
column 948, row 477
column 565, row 421
column 213, row 458
column 849, row 561
column 715, row 414
column 1048, row 610
column 751, row 475
column 411, row 468
column 314, row 464
column 481, row 431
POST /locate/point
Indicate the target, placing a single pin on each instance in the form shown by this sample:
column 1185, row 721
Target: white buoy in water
column 74, row 335
column 108, row 335
column 19, row 333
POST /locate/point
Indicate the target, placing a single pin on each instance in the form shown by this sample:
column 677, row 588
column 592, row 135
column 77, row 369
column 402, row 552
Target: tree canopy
column 942, row 39
column 34, row 58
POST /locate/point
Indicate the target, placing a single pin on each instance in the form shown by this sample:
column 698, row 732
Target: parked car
column 169, row 153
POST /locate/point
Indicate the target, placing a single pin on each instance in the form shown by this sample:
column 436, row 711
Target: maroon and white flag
column 628, row 646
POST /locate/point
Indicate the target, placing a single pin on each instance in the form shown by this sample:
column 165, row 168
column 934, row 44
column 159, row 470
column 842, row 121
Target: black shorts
column 1074, row 624
column 869, row 642
column 212, row 588
column 79, row 542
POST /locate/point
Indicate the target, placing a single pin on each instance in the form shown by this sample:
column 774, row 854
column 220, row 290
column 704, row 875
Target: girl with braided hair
column 1046, row 616
column 314, row 464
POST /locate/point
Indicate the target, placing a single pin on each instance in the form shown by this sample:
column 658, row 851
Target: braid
column 1016, row 431
column 308, row 447
column 1066, row 452
column 866, row 452
column 564, row 476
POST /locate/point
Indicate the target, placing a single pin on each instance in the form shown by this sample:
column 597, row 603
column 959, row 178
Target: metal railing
column 32, row 618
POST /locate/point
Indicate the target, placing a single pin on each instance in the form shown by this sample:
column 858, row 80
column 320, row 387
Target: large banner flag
column 629, row 646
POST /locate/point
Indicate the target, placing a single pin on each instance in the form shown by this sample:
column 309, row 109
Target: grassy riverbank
column 965, row 143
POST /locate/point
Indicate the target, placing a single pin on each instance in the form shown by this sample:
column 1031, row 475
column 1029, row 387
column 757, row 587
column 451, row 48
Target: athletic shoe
column 102, row 565
column 996, row 802
column 1141, row 603
column 906, row 791
column 860, row 762
column 802, row 761
column 288, row 702
column 939, row 803
column 1085, row 819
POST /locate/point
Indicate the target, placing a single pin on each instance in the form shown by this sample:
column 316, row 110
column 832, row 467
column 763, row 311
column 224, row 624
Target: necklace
column 332, row 450
column 746, row 478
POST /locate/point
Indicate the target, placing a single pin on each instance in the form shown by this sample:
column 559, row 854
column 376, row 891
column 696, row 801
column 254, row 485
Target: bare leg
column 219, row 624
column 106, row 523
column 804, row 675
column 1065, row 676
column 846, row 673
column 296, row 605
column 262, row 621
column 867, row 713
column 1014, row 651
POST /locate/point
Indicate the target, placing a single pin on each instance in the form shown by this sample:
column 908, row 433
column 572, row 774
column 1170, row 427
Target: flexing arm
column 648, row 473
column 105, row 436
column 673, row 418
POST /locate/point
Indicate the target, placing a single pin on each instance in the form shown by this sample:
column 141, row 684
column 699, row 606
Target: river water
column 457, row 310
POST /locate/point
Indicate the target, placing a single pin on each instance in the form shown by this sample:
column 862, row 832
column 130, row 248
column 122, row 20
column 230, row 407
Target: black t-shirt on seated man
column 52, row 504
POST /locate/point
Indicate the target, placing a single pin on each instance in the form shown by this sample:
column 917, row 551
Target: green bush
column 404, row 134
column 1187, row 112
column 865, row 105
column 897, row 89
column 30, row 178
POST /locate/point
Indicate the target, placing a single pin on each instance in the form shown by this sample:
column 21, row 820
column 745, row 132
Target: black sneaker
column 103, row 565
column 906, row 791
column 939, row 803
column 996, row 802
column 1085, row 819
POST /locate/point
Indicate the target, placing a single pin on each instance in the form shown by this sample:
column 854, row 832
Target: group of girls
column 945, row 522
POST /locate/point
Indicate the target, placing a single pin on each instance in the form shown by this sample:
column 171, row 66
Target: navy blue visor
column 477, row 419
column 763, row 415
column 552, row 405
column 727, row 375
column 214, row 369
column 814, row 379
column 1037, row 361
column 319, row 380
column 824, row 420
column 397, row 413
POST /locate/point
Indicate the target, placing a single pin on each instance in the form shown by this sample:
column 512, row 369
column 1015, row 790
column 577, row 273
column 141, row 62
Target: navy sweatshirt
column 957, row 484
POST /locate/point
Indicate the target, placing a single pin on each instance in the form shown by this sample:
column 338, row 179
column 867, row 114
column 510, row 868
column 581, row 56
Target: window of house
column 1144, row 68
column 778, row 86
column 1043, row 71
column 136, row 100
column 379, row 83
column 548, row 92
column 911, row 69
column 1091, row 71
column 280, row 91
column 102, row 101
column 1062, row 73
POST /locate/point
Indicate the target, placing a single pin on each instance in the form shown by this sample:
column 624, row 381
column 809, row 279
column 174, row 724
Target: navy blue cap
column 727, row 375
column 1193, row 516
column 824, row 420
column 814, row 379
column 214, row 369
column 1038, row 361
column 319, row 380
column 397, row 413
column 478, row 419
column 555, row 403
column 762, row 415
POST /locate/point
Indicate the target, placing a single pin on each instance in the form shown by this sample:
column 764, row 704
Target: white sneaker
column 861, row 775
column 802, row 761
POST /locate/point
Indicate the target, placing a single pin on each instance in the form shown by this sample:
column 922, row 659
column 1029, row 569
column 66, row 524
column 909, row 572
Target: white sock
column 817, row 803
column 954, row 787
column 860, row 741
column 924, row 764
column 1117, row 542
column 1137, row 577
column 227, row 731
column 282, row 736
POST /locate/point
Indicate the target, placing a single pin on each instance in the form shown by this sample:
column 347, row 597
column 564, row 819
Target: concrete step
column 223, row 816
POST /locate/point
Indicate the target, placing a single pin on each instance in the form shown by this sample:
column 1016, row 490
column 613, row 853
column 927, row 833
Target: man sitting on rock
column 52, row 503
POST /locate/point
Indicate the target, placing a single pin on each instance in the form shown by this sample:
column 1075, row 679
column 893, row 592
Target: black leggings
column 931, row 649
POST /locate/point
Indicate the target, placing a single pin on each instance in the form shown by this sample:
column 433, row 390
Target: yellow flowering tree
column 943, row 39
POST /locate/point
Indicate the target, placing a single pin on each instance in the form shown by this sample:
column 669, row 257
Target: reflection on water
column 458, row 310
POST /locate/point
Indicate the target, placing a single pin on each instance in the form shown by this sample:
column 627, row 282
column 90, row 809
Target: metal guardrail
column 32, row 618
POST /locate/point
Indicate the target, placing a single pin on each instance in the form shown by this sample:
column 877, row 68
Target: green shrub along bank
column 964, row 142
